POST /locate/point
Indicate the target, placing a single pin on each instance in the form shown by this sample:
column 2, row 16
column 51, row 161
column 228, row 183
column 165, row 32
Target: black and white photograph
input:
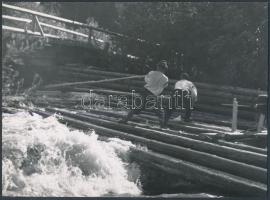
column 135, row 99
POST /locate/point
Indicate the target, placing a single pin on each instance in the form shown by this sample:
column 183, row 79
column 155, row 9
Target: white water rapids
column 42, row 157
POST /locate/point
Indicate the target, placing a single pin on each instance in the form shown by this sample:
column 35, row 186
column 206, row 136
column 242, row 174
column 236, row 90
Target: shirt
column 155, row 82
column 188, row 86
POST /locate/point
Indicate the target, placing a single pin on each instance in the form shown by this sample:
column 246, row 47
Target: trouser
column 180, row 99
column 137, row 110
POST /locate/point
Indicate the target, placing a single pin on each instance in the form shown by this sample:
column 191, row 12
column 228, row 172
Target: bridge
column 203, row 152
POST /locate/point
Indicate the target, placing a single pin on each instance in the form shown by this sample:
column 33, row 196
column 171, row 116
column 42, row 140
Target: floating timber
column 180, row 160
column 201, row 152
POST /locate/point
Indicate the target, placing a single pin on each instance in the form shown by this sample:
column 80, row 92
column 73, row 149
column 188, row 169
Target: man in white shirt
column 186, row 93
column 155, row 81
column 186, row 85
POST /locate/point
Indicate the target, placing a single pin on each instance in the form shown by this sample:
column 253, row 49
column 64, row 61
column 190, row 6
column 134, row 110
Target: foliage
column 216, row 42
column 221, row 42
column 15, row 46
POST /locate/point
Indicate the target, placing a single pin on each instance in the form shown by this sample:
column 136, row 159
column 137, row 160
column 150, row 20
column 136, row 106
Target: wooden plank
column 39, row 26
column 65, row 30
column 74, row 23
column 20, row 30
column 25, row 10
column 20, row 19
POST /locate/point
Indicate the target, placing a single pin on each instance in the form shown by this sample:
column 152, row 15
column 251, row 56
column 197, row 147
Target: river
column 43, row 157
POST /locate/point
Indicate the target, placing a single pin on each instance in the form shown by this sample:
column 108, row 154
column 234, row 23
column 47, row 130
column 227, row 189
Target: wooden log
column 184, row 134
column 216, row 140
column 200, row 107
column 205, row 176
column 89, row 82
column 225, row 111
column 227, row 152
column 206, row 159
column 221, row 120
column 178, row 126
column 199, row 118
column 244, row 147
column 202, row 137
column 181, row 126
column 202, row 85
column 209, row 97
column 251, row 185
column 204, row 98
column 70, row 95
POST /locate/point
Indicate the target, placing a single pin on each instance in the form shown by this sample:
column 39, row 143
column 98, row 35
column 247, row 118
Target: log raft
column 199, row 152
column 240, row 178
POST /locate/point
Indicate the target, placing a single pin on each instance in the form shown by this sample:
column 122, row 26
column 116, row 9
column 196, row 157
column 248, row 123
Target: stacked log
column 247, row 176
column 190, row 153
column 211, row 97
column 65, row 97
column 201, row 128
column 243, row 156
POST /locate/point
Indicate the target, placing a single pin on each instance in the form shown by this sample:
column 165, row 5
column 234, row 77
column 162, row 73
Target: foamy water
column 42, row 157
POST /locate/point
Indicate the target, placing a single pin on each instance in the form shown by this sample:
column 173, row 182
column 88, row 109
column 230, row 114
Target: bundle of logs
column 213, row 99
column 227, row 168
column 200, row 152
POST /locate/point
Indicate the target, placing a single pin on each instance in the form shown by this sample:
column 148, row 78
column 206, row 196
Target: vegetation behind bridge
column 220, row 43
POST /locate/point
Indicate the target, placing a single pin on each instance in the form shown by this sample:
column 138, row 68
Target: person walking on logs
column 155, row 82
column 182, row 98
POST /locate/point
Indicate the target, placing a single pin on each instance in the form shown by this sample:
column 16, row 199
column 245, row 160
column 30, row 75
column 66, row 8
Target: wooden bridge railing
column 34, row 22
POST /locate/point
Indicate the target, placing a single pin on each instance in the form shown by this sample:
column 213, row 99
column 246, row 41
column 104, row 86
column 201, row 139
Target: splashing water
column 42, row 157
